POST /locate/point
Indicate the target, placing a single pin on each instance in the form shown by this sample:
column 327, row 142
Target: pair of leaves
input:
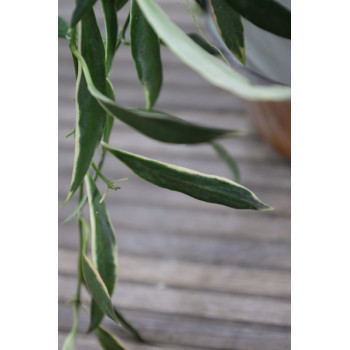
column 266, row 14
column 145, row 49
column 103, row 246
column 208, row 188
column 212, row 69
column 229, row 25
column 91, row 117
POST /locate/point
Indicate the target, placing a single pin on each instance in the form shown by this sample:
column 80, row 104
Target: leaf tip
column 265, row 207
column 70, row 194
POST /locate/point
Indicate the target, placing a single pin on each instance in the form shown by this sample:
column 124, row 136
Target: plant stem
column 121, row 36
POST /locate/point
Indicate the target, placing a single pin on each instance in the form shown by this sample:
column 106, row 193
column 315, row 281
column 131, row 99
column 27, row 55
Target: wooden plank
column 189, row 222
column 195, row 276
column 166, row 330
column 223, row 306
column 168, row 245
column 89, row 342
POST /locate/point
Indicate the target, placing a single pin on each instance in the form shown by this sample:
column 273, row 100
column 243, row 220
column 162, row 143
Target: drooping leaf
column 229, row 25
column 90, row 115
column 211, row 68
column 111, row 25
column 108, row 341
column 145, row 51
column 62, row 27
column 266, row 14
column 203, row 44
column 208, row 188
column 120, row 4
column 128, row 326
column 157, row 125
column 97, row 288
column 81, row 7
column 226, row 157
column 103, row 246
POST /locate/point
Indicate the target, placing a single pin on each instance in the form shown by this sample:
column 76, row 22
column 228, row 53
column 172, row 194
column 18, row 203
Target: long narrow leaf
column 203, row 44
column 145, row 51
column 97, row 288
column 211, row 68
column 156, row 125
column 103, row 245
column 226, row 157
column 208, row 188
column 266, row 14
column 111, row 25
column 120, row 4
column 81, row 7
column 90, row 116
column 128, row 326
column 229, row 24
column 108, row 341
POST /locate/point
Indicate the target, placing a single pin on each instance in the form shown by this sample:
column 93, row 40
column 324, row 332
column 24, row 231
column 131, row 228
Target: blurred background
column 193, row 275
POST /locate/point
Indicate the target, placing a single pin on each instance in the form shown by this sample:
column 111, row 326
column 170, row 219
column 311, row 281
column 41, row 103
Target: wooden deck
column 193, row 275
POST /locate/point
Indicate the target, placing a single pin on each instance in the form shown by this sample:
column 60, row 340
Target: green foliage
column 208, row 188
column 103, row 246
column 97, row 288
column 266, row 14
column 108, row 341
column 62, row 27
column 96, row 110
column 229, row 24
column 111, row 25
column 91, row 117
column 145, row 49
column 81, row 7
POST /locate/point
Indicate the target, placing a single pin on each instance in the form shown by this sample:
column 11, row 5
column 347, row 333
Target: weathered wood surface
column 193, row 275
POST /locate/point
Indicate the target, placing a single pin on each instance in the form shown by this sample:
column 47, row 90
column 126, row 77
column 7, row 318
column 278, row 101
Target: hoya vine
column 96, row 110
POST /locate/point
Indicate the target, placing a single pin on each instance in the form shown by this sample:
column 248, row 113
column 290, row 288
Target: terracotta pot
column 273, row 120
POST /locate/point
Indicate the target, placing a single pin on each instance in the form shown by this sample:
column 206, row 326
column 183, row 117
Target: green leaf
column 91, row 117
column 229, row 25
column 226, row 157
column 111, row 25
column 103, row 246
column 157, row 125
column 203, row 44
column 266, row 14
column 62, row 27
column 127, row 325
column 108, row 341
column 209, row 67
column 69, row 341
column 208, row 188
column 110, row 119
column 97, row 288
column 81, row 7
column 145, row 51
column 120, row 4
